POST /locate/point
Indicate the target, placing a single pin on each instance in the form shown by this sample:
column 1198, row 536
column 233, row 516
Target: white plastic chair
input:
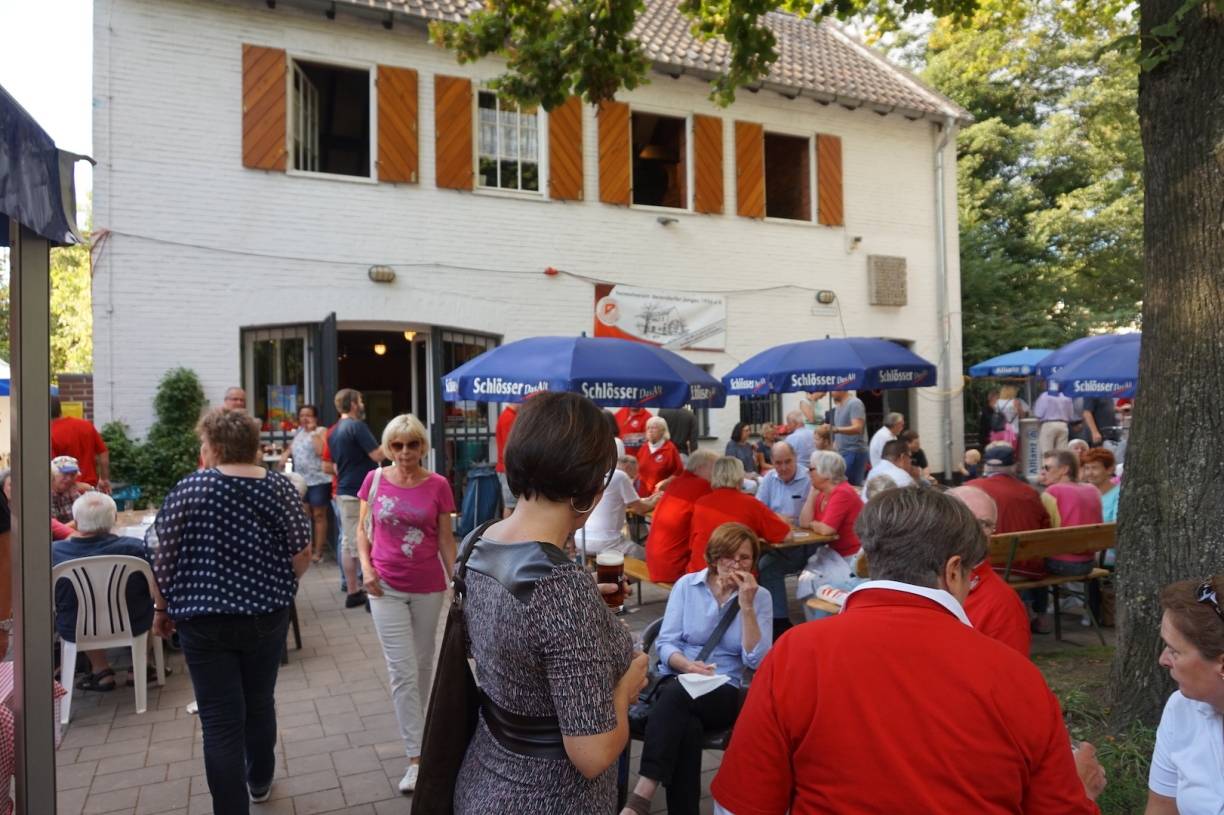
column 100, row 583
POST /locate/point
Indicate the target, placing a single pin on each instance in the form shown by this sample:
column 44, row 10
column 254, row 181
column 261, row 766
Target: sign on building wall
column 672, row 319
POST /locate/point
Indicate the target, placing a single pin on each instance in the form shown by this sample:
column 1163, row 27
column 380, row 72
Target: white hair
column 94, row 512
column 658, row 421
column 728, row 472
column 828, row 464
column 299, row 483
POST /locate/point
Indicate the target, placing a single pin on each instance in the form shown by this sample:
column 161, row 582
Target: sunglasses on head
column 1207, row 594
column 397, row 446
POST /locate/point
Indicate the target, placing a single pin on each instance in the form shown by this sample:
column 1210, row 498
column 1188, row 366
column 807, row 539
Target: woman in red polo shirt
column 726, row 504
column 832, row 505
column 658, row 459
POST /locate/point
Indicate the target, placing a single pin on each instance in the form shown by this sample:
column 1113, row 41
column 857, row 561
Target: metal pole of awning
column 34, row 708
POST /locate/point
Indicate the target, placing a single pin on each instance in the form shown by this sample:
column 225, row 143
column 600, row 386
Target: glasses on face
column 1048, row 468
column 988, row 526
column 399, row 446
column 745, row 560
column 1207, row 594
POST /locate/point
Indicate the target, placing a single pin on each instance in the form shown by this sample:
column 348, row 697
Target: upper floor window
column 509, row 145
column 329, row 119
column 660, row 160
column 788, row 177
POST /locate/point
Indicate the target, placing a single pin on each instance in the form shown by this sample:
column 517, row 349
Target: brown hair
column 1198, row 622
column 726, row 540
column 345, row 399
column 232, row 434
column 1099, row 455
column 1065, row 458
column 560, row 449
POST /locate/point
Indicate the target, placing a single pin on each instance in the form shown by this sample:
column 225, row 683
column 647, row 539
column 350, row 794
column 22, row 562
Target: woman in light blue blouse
column 671, row 755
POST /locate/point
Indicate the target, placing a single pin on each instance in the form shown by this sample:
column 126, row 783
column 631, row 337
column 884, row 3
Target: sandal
column 150, row 675
column 637, row 805
column 95, row 682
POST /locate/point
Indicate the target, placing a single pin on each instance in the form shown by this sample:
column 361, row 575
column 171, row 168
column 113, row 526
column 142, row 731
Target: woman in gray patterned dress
column 557, row 669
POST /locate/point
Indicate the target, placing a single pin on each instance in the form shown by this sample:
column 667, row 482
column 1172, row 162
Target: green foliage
column 171, row 449
column 71, row 310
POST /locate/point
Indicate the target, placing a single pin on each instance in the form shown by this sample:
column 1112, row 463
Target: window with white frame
column 509, row 144
column 660, row 160
column 329, row 123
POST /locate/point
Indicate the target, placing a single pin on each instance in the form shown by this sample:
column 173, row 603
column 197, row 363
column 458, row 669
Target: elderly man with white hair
column 801, row 438
column 894, row 423
column 94, row 513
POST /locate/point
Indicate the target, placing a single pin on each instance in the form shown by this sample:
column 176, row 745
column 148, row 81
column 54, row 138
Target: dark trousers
column 675, row 732
column 233, row 662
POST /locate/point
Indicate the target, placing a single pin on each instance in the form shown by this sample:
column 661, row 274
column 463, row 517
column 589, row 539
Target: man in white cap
column 64, row 487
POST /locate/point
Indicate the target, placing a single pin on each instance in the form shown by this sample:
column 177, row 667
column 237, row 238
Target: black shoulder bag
column 639, row 711
column 454, row 704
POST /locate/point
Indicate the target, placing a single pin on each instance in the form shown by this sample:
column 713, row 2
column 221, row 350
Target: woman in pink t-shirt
column 407, row 568
column 1078, row 505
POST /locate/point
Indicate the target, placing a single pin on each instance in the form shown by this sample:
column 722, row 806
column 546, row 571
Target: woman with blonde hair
column 726, row 503
column 671, row 752
column 407, row 551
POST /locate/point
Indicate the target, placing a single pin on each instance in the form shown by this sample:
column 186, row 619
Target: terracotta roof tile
column 819, row 60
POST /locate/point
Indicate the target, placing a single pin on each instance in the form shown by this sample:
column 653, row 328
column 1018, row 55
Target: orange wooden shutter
column 264, row 123
column 750, row 169
column 565, row 151
column 830, row 206
column 453, row 122
column 398, row 149
column 708, row 164
column 615, row 164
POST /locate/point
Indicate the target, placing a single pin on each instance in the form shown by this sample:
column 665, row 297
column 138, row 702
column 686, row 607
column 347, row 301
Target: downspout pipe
column 947, row 130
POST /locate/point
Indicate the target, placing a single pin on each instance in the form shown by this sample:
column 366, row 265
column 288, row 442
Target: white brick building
column 203, row 253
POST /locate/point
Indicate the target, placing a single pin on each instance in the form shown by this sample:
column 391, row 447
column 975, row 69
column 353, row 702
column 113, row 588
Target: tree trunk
column 1172, row 512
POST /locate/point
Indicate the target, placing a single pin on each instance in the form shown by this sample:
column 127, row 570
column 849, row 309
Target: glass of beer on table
column 610, row 568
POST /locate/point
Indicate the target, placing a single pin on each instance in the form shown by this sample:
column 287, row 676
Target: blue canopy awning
column 36, row 184
column 1020, row 363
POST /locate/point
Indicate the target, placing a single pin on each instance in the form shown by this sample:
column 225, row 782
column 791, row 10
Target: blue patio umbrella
column 834, row 363
column 611, row 372
column 1109, row 368
column 1073, row 350
column 1014, row 363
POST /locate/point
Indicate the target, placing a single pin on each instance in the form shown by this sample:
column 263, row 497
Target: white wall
column 201, row 246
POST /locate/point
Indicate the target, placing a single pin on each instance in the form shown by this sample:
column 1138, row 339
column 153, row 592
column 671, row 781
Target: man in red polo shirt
column 993, row 607
column 78, row 438
column 667, row 546
column 1020, row 510
column 897, row 705
column 632, row 424
column 726, row 504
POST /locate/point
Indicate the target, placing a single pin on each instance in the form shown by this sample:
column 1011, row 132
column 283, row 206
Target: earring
column 582, row 511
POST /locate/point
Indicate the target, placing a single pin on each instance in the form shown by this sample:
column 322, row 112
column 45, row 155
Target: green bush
column 171, row 450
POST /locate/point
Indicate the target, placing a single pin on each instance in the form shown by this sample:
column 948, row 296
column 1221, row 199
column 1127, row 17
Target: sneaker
column 260, row 794
column 408, row 783
column 355, row 599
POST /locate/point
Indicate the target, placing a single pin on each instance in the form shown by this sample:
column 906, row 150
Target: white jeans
column 407, row 626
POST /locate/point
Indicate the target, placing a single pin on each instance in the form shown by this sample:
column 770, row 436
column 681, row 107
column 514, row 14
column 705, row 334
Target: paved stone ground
column 338, row 751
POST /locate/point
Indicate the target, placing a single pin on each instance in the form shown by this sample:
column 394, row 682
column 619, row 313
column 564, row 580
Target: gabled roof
column 816, row 60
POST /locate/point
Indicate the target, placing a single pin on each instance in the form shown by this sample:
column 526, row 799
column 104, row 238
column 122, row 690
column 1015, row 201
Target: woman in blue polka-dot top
column 231, row 542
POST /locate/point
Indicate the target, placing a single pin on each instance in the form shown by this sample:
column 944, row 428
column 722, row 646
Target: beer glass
column 610, row 568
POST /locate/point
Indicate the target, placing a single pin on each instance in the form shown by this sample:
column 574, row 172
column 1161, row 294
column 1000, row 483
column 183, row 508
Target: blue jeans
column 233, row 662
column 775, row 565
column 856, row 466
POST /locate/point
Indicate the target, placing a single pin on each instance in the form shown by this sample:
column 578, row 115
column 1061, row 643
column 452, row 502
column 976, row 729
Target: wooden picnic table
column 802, row 537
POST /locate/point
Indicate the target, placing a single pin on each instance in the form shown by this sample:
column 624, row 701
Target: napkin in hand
column 699, row 685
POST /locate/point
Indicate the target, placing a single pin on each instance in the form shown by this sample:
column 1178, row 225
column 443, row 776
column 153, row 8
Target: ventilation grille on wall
column 886, row 281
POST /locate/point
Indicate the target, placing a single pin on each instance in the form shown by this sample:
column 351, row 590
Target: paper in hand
column 699, row 685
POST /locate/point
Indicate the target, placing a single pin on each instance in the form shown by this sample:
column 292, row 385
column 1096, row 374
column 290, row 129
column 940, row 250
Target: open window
column 509, row 145
column 329, row 124
column 788, row 177
column 660, row 161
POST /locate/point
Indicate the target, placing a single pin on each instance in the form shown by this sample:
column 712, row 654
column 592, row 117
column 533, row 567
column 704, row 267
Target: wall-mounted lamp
column 826, row 297
column 666, row 220
column 381, row 274
column 380, row 348
column 410, row 335
column 855, row 242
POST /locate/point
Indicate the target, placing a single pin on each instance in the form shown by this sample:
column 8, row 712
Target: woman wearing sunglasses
column 1187, row 775
column 407, row 552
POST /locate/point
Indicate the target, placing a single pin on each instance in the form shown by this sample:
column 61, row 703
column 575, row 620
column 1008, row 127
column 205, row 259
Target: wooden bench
column 1010, row 548
column 636, row 570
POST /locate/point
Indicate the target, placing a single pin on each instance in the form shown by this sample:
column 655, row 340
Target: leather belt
column 530, row 736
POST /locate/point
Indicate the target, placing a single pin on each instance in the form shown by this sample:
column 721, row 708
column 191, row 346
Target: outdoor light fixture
column 410, row 335
column 380, row 348
column 666, row 220
column 855, row 241
column 382, row 274
column 826, row 297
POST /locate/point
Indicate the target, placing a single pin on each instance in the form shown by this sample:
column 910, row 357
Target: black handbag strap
column 723, row 625
column 465, row 552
